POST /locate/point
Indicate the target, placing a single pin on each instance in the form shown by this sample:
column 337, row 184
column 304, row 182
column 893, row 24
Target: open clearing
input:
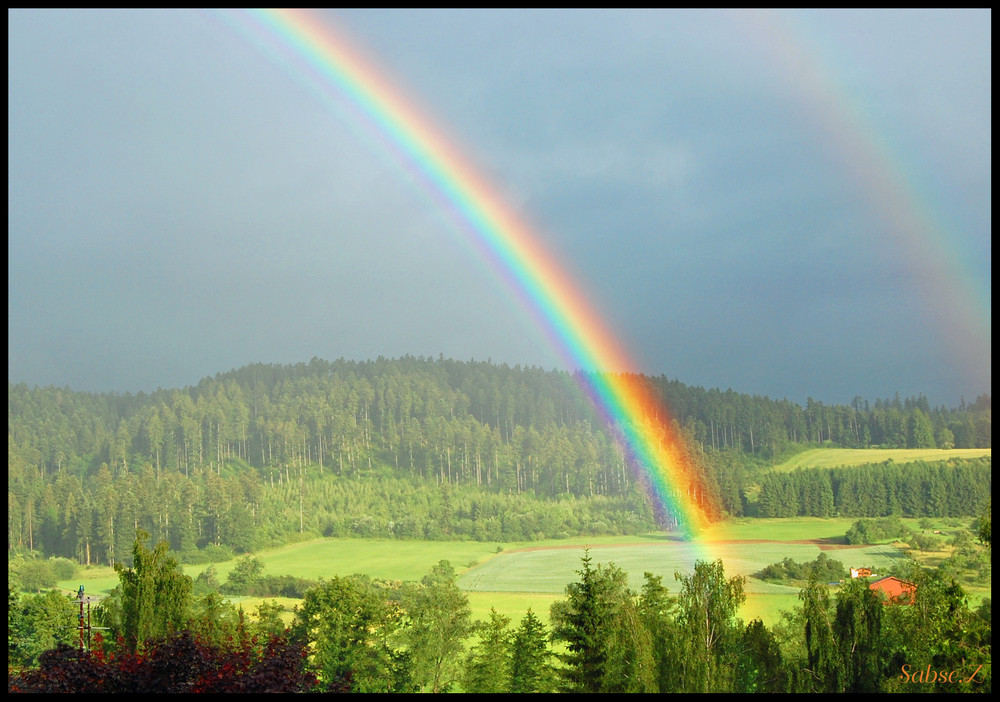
column 834, row 457
column 513, row 577
column 551, row 569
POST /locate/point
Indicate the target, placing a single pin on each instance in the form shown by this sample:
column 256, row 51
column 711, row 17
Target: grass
column 383, row 559
column 513, row 577
column 513, row 605
column 831, row 458
column 781, row 529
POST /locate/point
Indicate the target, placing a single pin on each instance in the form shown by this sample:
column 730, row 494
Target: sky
column 794, row 204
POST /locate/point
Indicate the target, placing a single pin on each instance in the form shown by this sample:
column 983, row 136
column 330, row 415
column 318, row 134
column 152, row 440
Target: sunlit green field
column 779, row 529
column 833, row 457
column 551, row 570
column 530, row 571
column 515, row 576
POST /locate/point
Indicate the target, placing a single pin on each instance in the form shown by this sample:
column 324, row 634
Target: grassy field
column 524, row 573
column 513, row 577
column 831, row 458
column 782, row 529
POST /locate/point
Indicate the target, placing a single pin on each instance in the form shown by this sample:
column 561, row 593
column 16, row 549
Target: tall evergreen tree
column 488, row 665
column 155, row 594
column 608, row 648
column 530, row 669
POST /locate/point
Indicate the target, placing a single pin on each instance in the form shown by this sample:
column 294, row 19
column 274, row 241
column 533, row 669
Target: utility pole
column 81, row 597
column 85, row 626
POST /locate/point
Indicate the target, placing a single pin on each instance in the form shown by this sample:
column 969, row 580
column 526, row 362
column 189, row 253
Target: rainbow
column 623, row 399
column 958, row 302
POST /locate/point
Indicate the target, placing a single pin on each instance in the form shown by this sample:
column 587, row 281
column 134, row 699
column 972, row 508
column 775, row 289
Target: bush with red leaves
column 178, row 664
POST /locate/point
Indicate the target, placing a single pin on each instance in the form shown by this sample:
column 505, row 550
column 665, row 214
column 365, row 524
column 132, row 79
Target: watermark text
column 938, row 676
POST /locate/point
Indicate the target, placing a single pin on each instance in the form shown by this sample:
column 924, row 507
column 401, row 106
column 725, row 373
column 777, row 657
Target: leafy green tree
column 439, row 622
column 268, row 621
column 939, row 630
column 707, row 607
column 245, row 573
column 530, row 668
column 37, row 623
column 352, row 625
column 759, row 663
column 214, row 619
column 659, row 613
column 822, row 665
column 858, row 632
column 986, row 525
column 36, row 574
column 925, row 542
column 155, row 594
column 206, row 581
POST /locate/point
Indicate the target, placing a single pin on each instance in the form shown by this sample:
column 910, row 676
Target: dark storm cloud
column 179, row 205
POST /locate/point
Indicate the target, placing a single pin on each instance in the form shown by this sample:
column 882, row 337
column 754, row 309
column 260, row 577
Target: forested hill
column 246, row 456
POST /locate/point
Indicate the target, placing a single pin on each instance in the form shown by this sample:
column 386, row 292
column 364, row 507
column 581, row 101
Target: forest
column 425, row 448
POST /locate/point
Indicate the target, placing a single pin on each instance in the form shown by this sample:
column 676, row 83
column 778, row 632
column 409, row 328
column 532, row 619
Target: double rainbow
column 624, row 399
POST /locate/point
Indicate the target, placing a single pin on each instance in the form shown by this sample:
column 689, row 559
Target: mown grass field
column 532, row 575
column 833, row 457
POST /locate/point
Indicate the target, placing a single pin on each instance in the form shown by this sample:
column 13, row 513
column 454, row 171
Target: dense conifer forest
column 435, row 449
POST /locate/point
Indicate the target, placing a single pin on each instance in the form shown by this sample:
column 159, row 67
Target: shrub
column 181, row 663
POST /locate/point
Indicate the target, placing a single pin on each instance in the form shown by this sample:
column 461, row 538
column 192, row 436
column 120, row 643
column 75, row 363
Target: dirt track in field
column 835, row 544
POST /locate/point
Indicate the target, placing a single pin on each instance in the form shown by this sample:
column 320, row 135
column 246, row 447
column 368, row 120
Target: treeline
column 433, row 417
column 205, row 517
column 762, row 426
column 406, row 448
column 356, row 634
column 955, row 488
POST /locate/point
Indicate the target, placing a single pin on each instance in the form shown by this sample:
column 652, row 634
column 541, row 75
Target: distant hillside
column 398, row 448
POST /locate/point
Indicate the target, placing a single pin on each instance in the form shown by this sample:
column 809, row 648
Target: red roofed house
column 861, row 572
column 895, row 588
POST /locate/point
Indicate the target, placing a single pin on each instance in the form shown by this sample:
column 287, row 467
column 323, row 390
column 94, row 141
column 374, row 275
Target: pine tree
column 608, row 648
column 530, row 669
column 487, row 668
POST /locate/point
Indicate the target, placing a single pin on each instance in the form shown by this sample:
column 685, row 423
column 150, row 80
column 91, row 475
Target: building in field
column 861, row 572
column 896, row 589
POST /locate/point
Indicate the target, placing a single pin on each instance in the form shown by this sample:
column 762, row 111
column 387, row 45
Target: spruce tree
column 487, row 668
column 530, row 669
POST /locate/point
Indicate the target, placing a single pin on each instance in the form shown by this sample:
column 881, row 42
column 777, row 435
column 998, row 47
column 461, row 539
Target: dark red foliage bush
column 177, row 664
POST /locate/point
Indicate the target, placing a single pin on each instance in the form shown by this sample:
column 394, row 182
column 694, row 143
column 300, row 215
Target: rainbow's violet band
column 583, row 342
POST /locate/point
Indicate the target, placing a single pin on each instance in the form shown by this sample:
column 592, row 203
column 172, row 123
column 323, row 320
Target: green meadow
column 514, row 577
column 834, row 457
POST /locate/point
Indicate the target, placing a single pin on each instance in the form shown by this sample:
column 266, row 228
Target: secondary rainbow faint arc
column 578, row 333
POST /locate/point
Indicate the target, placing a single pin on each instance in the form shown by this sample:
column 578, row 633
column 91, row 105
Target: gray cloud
column 180, row 205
